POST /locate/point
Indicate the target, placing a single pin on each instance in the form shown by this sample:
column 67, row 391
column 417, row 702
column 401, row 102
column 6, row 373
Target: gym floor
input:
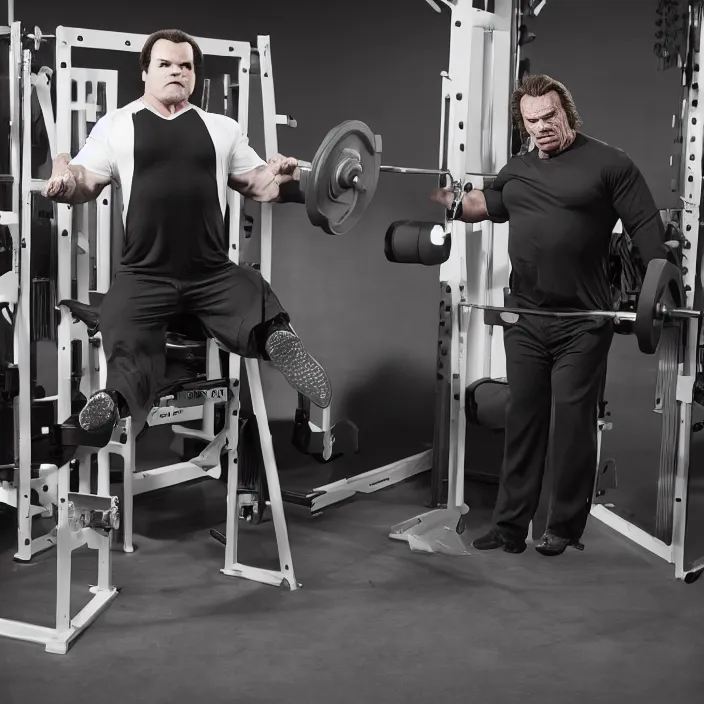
column 373, row 622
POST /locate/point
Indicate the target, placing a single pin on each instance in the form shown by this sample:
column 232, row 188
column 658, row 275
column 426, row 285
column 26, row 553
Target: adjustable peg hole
column 128, row 43
column 79, row 38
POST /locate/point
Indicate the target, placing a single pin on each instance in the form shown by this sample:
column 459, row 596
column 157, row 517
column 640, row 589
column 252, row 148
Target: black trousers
column 234, row 306
column 555, row 370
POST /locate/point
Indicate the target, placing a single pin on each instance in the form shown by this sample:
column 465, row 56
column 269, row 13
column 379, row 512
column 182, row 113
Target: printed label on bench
column 207, row 394
column 169, row 413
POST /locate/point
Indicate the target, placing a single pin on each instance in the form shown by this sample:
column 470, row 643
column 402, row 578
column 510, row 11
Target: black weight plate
column 662, row 285
column 331, row 204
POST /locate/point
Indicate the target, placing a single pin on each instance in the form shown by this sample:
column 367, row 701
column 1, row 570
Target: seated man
column 174, row 162
column 562, row 201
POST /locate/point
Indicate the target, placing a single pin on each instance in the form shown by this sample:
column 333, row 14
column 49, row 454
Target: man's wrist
column 291, row 192
column 455, row 210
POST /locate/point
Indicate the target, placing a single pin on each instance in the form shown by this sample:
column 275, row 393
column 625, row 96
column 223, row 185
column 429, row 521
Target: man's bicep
column 243, row 158
column 495, row 206
column 96, row 156
column 630, row 195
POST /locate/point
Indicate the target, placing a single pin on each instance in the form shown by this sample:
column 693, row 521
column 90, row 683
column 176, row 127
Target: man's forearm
column 85, row 189
column 260, row 185
column 649, row 238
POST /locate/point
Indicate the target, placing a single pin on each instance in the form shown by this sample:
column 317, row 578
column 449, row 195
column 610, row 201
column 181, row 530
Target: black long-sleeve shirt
column 561, row 213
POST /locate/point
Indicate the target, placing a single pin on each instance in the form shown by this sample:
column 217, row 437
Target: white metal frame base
column 371, row 481
column 70, row 537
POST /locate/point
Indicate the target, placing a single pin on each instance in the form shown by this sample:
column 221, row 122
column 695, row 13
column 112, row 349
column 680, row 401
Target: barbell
column 659, row 302
column 340, row 182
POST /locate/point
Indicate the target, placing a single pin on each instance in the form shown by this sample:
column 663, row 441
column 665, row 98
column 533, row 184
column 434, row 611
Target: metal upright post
column 674, row 477
column 475, row 139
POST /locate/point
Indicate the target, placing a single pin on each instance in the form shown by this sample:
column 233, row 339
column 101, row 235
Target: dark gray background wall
column 371, row 323
column 603, row 51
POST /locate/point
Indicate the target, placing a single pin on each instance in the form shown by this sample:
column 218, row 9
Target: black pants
column 555, row 370
column 233, row 305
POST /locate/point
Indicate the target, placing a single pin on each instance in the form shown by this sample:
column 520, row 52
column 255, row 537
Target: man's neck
column 571, row 136
column 165, row 110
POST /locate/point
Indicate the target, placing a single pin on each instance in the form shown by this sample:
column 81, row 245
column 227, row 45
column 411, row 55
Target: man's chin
column 172, row 98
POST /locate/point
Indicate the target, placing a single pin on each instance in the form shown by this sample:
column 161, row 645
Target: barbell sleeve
column 681, row 312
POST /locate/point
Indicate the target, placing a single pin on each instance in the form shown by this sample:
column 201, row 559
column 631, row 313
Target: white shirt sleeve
column 96, row 155
column 242, row 157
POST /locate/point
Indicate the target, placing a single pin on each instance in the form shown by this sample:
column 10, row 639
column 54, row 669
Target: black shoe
column 305, row 374
column 494, row 540
column 552, row 545
column 100, row 413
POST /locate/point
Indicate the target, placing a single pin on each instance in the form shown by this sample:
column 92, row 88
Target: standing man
column 562, row 200
column 174, row 163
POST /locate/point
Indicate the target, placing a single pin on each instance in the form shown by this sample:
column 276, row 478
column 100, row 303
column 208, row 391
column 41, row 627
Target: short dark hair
column 172, row 35
column 536, row 86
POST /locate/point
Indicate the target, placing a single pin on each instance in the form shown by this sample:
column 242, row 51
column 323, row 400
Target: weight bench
column 182, row 400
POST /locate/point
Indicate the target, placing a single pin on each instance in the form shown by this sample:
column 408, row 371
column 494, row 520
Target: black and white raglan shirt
column 173, row 173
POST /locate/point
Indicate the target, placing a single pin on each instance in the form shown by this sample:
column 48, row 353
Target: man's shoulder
column 113, row 118
column 607, row 152
column 215, row 119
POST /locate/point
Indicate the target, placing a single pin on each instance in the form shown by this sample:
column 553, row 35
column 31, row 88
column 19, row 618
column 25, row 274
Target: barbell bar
column 340, row 182
column 307, row 166
column 660, row 300
column 617, row 316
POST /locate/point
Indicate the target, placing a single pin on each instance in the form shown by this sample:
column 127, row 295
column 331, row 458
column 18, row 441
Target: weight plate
column 662, row 285
column 343, row 177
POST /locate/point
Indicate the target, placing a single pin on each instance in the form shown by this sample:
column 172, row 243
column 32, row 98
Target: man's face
column 546, row 121
column 171, row 76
